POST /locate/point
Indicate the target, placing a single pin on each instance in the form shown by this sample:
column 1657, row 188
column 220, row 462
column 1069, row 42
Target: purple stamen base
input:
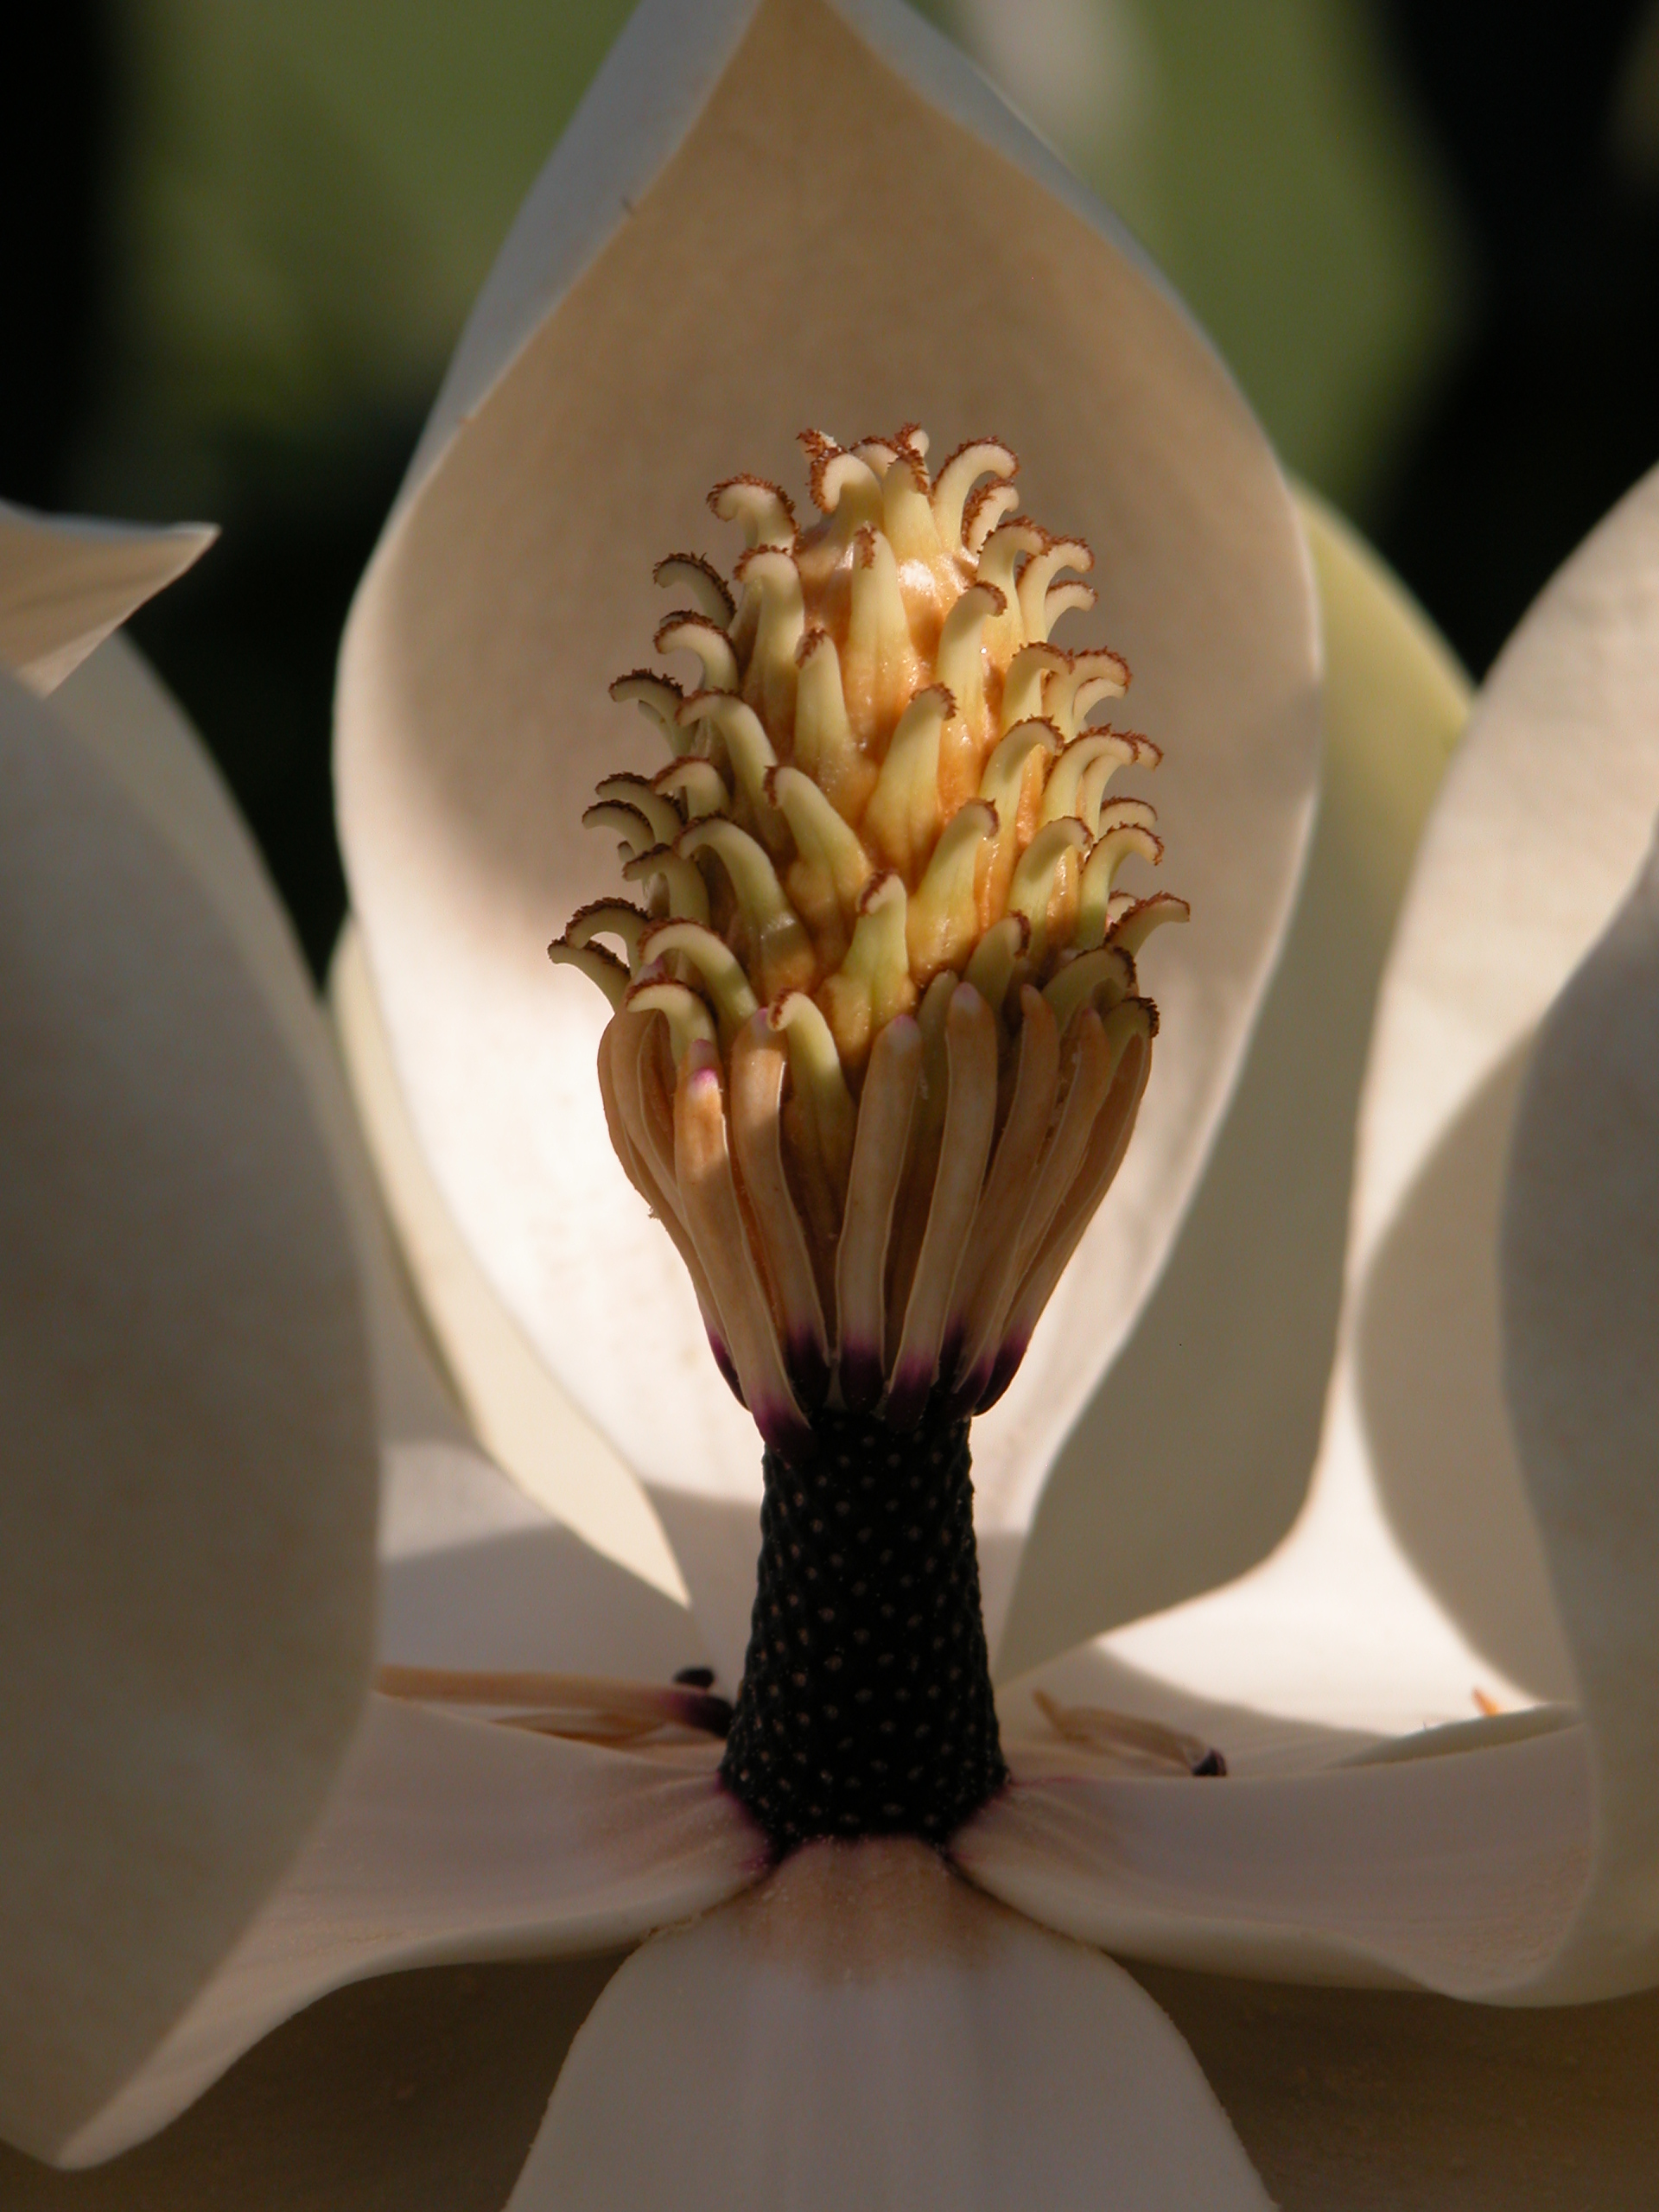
column 866, row 1707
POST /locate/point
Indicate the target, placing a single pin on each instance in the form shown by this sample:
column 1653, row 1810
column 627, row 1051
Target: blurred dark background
column 238, row 242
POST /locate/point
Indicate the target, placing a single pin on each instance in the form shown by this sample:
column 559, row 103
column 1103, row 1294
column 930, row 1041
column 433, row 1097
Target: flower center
column 865, row 1705
column 876, row 1050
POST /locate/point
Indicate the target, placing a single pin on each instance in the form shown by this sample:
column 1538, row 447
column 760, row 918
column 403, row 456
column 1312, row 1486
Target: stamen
column 707, row 641
column 689, row 1021
column 1129, row 1038
column 698, row 783
column 701, row 582
column 1045, row 882
column 1122, row 1736
column 769, row 685
column 880, row 669
column 590, row 1707
column 872, row 986
column 703, row 1166
column 657, row 698
column 879, row 1150
column 816, row 1072
column 988, row 1266
column 1101, row 749
column 1032, row 670
column 629, row 824
column 673, row 884
column 1099, row 978
column 1106, row 856
column 825, row 748
column 995, row 956
column 759, row 1064
column 828, row 880
column 764, row 513
column 958, row 474
column 970, row 1113
column 942, row 924
column 637, row 792
column 902, row 819
column 748, row 746
column 608, row 918
column 1037, row 576
column 1135, row 924
column 779, row 947
column 716, row 965
column 595, row 963
column 960, row 662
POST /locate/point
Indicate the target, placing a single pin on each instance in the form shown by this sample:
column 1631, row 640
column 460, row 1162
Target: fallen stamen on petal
column 1138, row 1742
column 590, row 1707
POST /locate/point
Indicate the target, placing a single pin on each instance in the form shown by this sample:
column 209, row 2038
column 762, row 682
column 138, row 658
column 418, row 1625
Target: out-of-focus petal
column 66, row 584
column 186, row 1573
column 1460, row 1873
column 863, row 2030
column 702, row 272
column 527, row 1423
column 1194, row 1453
column 449, row 1840
column 1580, row 1291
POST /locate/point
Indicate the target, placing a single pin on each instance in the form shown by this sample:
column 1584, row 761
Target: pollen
column 878, row 1041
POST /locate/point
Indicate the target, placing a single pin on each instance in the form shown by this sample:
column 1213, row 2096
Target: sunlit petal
column 865, row 2031
column 701, row 273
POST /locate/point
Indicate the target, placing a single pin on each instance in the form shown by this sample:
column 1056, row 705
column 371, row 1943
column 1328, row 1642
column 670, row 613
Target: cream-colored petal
column 474, row 1574
column 66, row 584
column 1194, row 1453
column 120, row 709
column 1460, row 1873
column 701, row 273
column 445, row 1840
column 1416, row 1575
column 186, row 1573
column 864, row 2031
column 1581, row 1301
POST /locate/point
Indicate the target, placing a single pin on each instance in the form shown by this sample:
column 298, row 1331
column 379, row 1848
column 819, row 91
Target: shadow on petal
column 1426, row 1351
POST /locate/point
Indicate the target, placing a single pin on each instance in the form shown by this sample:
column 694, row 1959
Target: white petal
column 118, row 708
column 1193, row 1454
column 186, row 1573
column 526, row 1421
column 66, row 585
column 1460, row 1872
column 701, row 273
column 449, row 1840
column 474, row 1574
column 1580, row 1272
column 1416, row 1575
column 864, row 2031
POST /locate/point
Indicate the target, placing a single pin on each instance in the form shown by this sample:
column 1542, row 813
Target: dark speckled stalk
column 865, row 1705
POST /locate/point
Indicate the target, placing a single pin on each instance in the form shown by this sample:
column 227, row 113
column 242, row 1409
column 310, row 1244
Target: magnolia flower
column 226, row 1827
